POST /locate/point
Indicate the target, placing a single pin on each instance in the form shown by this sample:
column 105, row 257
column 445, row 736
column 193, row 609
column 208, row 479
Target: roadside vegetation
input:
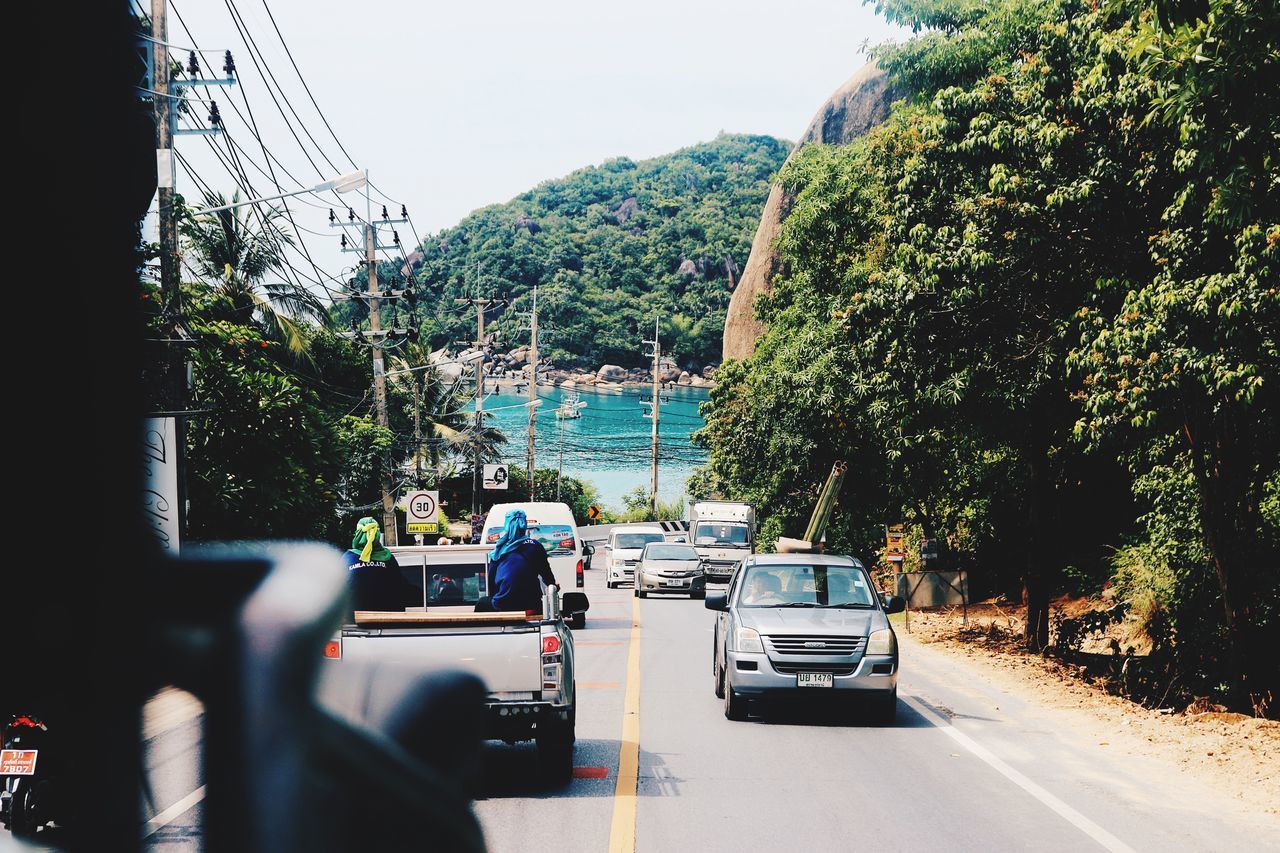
column 1036, row 311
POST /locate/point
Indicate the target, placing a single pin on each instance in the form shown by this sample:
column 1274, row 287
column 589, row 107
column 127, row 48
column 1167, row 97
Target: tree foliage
column 1036, row 301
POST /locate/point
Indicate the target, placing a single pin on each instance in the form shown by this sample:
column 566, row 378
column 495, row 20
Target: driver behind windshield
column 763, row 588
column 839, row 590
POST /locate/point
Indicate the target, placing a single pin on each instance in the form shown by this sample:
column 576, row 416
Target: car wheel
column 555, row 752
column 718, row 676
column 640, row 593
column 735, row 707
column 609, row 584
column 884, row 709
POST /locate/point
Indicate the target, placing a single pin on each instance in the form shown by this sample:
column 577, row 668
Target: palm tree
column 439, row 411
column 236, row 257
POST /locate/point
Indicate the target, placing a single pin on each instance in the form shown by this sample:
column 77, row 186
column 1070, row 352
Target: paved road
column 966, row 767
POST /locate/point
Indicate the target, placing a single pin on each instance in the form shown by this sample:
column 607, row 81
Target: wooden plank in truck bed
column 396, row 617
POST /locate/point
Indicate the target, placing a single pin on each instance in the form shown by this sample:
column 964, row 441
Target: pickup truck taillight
column 551, row 662
column 580, row 583
column 333, row 649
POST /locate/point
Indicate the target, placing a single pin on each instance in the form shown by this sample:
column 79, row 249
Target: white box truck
column 722, row 532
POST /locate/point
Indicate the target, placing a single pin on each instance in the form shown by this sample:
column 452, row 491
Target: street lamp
column 344, row 184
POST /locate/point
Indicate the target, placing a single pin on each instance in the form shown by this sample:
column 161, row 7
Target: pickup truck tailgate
column 507, row 659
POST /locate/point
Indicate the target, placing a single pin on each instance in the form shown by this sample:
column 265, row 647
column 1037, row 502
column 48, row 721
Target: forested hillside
column 609, row 246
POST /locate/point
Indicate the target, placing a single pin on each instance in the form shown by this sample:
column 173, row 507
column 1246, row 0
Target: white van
column 623, row 550
column 553, row 525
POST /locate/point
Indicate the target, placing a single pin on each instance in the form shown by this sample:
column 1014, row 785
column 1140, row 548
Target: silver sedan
column 804, row 625
column 670, row 567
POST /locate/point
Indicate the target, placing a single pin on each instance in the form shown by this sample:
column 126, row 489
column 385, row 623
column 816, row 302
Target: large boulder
column 611, row 372
column 856, row 107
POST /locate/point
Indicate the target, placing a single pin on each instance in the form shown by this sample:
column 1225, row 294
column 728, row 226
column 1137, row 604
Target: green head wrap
column 367, row 542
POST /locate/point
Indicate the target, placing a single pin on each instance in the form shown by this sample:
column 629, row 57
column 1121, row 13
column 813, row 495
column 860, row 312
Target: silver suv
column 799, row 624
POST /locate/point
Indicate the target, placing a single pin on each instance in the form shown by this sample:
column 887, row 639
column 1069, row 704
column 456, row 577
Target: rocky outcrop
column 857, row 106
column 629, row 208
column 611, row 372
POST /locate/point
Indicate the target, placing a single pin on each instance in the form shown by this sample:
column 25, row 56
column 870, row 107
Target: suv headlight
column 747, row 640
column 882, row 642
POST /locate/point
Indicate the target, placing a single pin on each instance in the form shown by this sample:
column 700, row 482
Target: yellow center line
column 622, row 831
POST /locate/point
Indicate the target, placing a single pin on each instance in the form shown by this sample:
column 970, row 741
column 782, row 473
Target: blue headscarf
column 514, row 531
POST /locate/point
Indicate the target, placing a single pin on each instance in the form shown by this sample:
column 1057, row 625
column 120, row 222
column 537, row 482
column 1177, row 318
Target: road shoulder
column 1231, row 756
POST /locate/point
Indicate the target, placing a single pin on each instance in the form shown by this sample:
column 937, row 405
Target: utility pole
column 560, row 470
column 533, row 388
column 655, row 414
column 390, row 531
column 417, row 431
column 375, row 335
column 174, row 403
column 175, row 397
column 481, row 305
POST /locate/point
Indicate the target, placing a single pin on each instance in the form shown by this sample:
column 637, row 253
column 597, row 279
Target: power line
column 307, row 88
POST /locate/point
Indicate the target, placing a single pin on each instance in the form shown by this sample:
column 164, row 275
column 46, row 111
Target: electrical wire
column 255, row 53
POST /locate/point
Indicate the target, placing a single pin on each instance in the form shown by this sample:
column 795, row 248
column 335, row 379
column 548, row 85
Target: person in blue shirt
column 373, row 575
column 517, row 569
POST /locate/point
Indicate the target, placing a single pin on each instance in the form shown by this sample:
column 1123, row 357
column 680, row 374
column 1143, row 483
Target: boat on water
column 571, row 406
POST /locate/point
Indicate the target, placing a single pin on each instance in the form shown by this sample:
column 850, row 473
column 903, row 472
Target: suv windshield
column 719, row 533
column 805, row 586
column 635, row 540
column 670, row 552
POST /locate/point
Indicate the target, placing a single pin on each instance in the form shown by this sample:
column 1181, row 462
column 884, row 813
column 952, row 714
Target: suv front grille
column 797, row 644
column 833, row 668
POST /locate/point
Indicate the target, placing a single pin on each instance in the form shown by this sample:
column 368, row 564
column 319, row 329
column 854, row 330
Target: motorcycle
column 29, row 798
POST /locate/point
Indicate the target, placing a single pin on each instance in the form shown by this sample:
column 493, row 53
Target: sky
column 456, row 106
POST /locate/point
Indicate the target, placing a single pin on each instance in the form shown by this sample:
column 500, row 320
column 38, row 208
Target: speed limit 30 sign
column 422, row 512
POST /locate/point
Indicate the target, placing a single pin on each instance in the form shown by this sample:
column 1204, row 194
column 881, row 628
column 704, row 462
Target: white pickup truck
column 524, row 659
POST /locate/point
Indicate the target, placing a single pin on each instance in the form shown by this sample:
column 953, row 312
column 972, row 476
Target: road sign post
column 496, row 477
column 422, row 512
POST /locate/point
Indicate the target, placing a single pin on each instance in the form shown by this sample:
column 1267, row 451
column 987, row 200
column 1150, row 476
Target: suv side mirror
column 719, row 601
column 588, row 548
column 895, row 604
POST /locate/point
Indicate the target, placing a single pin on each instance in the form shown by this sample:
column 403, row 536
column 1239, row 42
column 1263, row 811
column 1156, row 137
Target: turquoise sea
column 610, row 444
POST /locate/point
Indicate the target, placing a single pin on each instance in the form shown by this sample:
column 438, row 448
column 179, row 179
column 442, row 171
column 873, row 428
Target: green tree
column 1193, row 349
column 239, row 256
column 1055, row 261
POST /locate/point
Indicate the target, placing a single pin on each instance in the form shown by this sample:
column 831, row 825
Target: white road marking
column 1075, row 818
column 174, row 811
